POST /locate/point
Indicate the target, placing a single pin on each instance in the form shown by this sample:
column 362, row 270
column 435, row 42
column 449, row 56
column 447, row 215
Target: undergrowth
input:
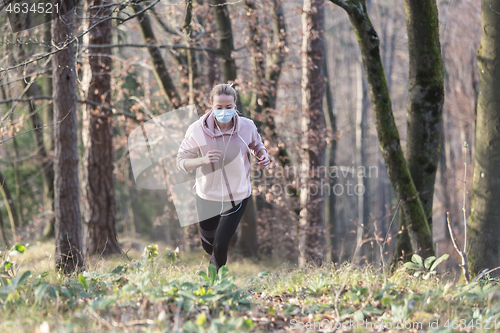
column 162, row 292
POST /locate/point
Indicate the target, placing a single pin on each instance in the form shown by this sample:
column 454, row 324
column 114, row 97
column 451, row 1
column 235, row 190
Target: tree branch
column 164, row 25
column 341, row 3
column 161, row 46
column 112, row 110
column 160, row 70
column 76, row 37
column 463, row 255
column 187, row 18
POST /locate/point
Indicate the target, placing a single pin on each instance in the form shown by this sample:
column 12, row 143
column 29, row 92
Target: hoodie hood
column 208, row 124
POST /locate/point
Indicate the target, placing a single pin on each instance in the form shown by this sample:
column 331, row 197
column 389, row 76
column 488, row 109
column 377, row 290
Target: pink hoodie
column 233, row 181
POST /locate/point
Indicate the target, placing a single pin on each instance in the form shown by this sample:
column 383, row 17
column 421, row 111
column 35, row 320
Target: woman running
column 220, row 139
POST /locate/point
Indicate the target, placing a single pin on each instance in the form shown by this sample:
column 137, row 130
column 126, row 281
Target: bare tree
column 388, row 135
column 98, row 190
column 159, row 67
column 48, row 117
column 483, row 231
column 311, row 240
column 69, row 256
column 424, row 105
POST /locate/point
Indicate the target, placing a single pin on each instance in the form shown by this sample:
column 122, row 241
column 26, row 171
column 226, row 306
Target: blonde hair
column 224, row 89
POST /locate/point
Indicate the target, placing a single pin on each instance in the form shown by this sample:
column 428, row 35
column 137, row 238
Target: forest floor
column 159, row 290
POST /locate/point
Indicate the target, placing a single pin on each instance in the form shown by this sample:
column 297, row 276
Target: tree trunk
column 127, row 203
column 362, row 183
column 420, row 234
column 224, row 39
column 98, row 190
column 311, row 239
column 139, row 225
column 384, row 214
column 17, row 180
column 189, row 55
column 331, row 150
column 213, row 64
column 425, row 99
column 49, row 110
column 385, row 193
column 48, row 139
column 159, row 67
column 444, row 237
column 247, row 243
column 483, row 232
column 2, row 233
column 443, row 167
column 68, row 254
column 9, row 204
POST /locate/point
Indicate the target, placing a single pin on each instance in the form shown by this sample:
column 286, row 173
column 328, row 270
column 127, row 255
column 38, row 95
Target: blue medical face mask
column 224, row 115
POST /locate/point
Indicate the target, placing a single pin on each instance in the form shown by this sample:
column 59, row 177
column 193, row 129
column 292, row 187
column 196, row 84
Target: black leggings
column 216, row 230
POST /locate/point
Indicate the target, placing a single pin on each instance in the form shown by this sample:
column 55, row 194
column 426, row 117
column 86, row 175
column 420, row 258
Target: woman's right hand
column 212, row 156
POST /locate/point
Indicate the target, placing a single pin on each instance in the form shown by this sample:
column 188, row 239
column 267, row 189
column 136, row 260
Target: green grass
column 159, row 293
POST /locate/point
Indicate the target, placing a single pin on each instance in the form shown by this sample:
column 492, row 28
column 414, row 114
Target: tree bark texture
column 311, row 237
column 483, row 232
column 224, row 40
column 48, row 138
column 98, row 190
column 68, row 254
column 425, row 99
column 388, row 135
column 17, row 180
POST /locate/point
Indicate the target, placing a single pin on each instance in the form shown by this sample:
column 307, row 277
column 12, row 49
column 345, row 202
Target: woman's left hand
column 264, row 161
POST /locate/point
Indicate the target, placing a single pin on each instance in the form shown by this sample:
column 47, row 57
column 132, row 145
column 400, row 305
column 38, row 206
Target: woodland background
column 171, row 55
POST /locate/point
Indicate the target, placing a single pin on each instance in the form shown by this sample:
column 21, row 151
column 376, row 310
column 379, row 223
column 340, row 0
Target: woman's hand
column 264, row 161
column 212, row 156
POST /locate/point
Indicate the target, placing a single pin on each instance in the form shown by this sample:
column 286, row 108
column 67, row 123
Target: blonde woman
column 215, row 146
